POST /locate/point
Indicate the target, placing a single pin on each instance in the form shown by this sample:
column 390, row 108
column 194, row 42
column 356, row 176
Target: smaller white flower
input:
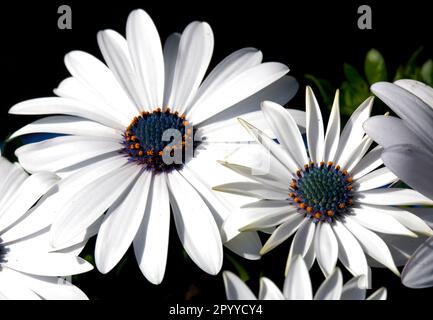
column 408, row 153
column 297, row 286
column 29, row 270
column 333, row 196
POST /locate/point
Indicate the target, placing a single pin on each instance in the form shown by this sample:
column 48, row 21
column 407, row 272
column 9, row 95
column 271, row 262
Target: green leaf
column 427, row 72
column 374, row 67
column 355, row 80
column 243, row 273
column 410, row 70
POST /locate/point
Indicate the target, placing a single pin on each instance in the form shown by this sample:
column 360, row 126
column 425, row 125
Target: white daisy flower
column 331, row 198
column 297, row 286
column 113, row 155
column 408, row 153
column 29, row 269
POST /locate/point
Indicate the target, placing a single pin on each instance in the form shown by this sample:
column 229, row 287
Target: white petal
column 393, row 196
column 14, row 286
column 389, row 131
column 25, row 197
column 151, row 240
column 271, row 146
column 354, row 289
column 246, row 245
column 269, row 291
column 407, row 217
column 418, row 272
column 48, row 264
column 235, row 288
column 195, row 225
column 89, row 203
column 284, row 231
column 421, row 90
column 68, row 125
column 171, row 47
column 353, row 132
column 371, row 161
column 236, row 90
column 376, row 179
column 121, row 224
column 146, row 54
column 417, row 115
column 315, row 131
column 92, row 73
column 68, row 106
column 302, row 241
column 377, row 220
column 379, row 294
column 193, row 57
column 284, row 127
column 412, row 165
column 280, row 91
column 331, row 288
column 357, row 154
column 350, row 252
column 326, row 247
column 372, row 244
column 61, row 152
column 252, row 189
column 332, row 136
column 297, row 285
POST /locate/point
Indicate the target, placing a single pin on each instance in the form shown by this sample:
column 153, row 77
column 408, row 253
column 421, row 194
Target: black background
column 310, row 37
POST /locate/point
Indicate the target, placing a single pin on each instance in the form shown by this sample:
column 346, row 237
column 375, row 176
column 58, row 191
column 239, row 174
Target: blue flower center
column 322, row 192
column 158, row 140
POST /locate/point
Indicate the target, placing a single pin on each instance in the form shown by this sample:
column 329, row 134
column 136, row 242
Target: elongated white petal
column 393, row 196
column 418, row 272
column 350, row 252
column 89, row 203
column 376, row 179
column 115, row 50
column 286, row 131
column 121, row 224
column 246, row 245
column 14, row 286
column 417, row 115
column 331, row 288
column 421, row 90
column 315, row 131
column 326, row 248
column 193, row 57
column 61, row 152
column 271, row 146
column 379, row 221
column 68, row 125
column 357, row 154
column 297, row 285
column 67, row 106
column 372, row 244
column 195, row 225
column 268, row 217
column 25, row 197
column 146, row 54
column 269, row 291
column 235, row 288
column 171, row 46
column 302, row 241
column 389, row 131
column 283, row 232
column 353, row 132
column 252, row 189
column 237, row 89
column 48, row 264
column 411, row 164
column 354, row 289
column 371, row 161
column 151, row 240
column 379, row 294
column 92, row 73
column 332, row 137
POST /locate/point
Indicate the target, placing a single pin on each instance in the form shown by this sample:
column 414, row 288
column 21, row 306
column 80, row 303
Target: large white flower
column 408, row 153
column 29, row 269
column 297, row 286
column 332, row 198
column 114, row 155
